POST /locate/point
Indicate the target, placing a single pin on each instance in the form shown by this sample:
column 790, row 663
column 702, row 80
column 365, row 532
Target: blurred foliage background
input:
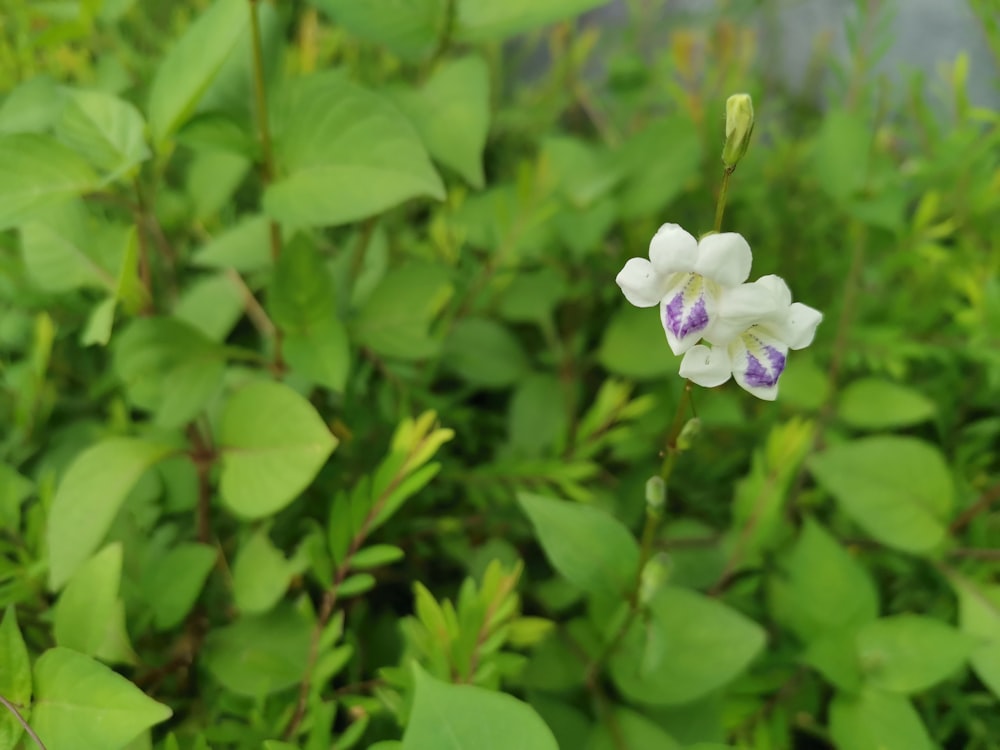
column 235, row 236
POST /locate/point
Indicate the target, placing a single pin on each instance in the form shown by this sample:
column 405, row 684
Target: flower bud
column 656, row 494
column 739, row 126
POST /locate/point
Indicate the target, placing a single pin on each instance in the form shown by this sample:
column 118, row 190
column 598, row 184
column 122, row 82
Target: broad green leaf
column 834, row 654
column 259, row 654
column 273, row 443
column 171, row 583
column 874, row 720
column 89, row 496
column 260, row 574
column 33, row 106
column 192, row 63
column 484, row 353
column 331, row 136
column 486, row 20
column 822, row 587
column 463, row 717
column 15, row 677
column 979, row 617
column 213, row 177
column 841, row 154
column 80, row 703
column 87, row 607
column 898, row 489
column 38, row 172
column 408, row 28
column 452, row 114
column 651, row 184
column 168, row 367
column 910, row 653
column 303, row 305
column 687, row 646
column 212, row 304
column 630, row 730
column 63, row 251
column 244, row 246
column 634, row 345
column 108, row 131
column 874, row 404
column 396, row 318
column 589, row 547
column 583, row 172
column 538, row 420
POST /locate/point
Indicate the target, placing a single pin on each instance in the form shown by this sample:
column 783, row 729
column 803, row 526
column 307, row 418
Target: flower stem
column 720, row 207
column 24, row 724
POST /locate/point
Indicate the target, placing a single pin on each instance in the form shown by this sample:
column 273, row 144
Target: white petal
column 758, row 362
column 800, row 325
column 777, row 287
column 725, row 258
column 706, row 367
column 640, row 283
column 738, row 308
column 686, row 311
column 672, row 250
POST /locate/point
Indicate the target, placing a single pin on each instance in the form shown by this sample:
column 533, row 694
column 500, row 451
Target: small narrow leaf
column 15, row 677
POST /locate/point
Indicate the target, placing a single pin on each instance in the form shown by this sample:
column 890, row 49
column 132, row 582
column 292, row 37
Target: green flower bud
column 656, row 494
column 739, row 126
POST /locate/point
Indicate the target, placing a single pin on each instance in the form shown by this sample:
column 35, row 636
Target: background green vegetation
column 327, row 427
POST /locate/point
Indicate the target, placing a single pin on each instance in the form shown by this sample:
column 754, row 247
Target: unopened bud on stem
column 739, row 126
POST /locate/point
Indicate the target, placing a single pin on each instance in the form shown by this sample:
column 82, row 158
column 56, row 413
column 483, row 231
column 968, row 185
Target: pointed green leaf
column 15, row 677
column 486, row 20
column 874, row 404
column 588, row 546
column 332, row 136
column 485, row 353
column 88, row 498
column 107, row 130
column 408, row 28
column 260, row 574
column 273, row 443
column 979, row 617
column 80, row 703
column 87, row 606
column 463, row 717
column 172, row 583
column 873, row 720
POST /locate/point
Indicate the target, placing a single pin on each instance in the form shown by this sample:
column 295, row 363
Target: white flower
column 756, row 356
column 689, row 279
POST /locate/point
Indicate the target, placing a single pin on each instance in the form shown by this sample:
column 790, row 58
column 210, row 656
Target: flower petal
column 724, row 258
column 778, row 288
column 706, row 367
column 800, row 325
column 738, row 308
column 640, row 283
column 672, row 250
column 758, row 361
column 686, row 311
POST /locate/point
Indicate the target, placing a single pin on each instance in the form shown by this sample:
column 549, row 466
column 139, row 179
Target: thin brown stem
column 970, row 513
column 17, row 715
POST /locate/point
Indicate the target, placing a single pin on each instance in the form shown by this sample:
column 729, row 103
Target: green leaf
column 910, row 653
column 874, row 720
column 107, row 130
column 898, row 489
column 33, row 106
column 584, row 172
column 452, row 115
column 687, row 646
column 486, row 20
column 538, row 421
column 273, row 443
column 244, row 246
column 396, row 318
column 88, row 498
column 651, row 184
column 375, row 556
column 634, row 345
column 408, row 28
column 303, row 305
column 38, row 172
column 192, row 63
column 171, row 583
column 463, row 717
column 484, row 353
column 589, row 547
column 260, row 574
column 841, row 154
column 169, row 368
column 14, row 490
column 15, row 677
column 874, row 404
column 87, row 606
column 260, row 654
column 331, row 136
column 979, row 617
column 80, row 702
column 631, row 731
column 834, row 654
column 823, row 588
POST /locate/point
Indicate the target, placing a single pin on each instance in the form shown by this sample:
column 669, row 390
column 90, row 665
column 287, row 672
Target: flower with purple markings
column 689, row 280
column 756, row 356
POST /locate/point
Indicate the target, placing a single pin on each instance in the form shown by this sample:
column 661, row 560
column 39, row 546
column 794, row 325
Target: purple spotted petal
column 758, row 361
column 685, row 314
column 765, row 374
